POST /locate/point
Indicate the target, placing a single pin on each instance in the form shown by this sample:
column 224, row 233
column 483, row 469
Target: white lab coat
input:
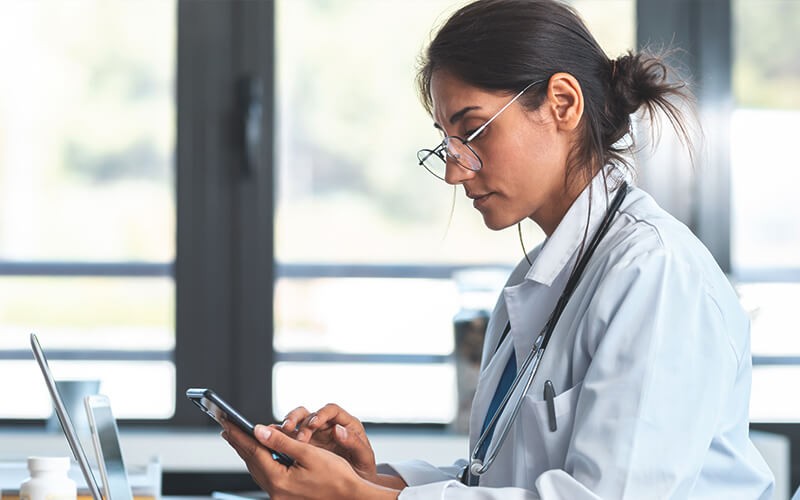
column 651, row 365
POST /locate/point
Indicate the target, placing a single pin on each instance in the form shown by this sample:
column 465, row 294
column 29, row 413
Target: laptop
column 104, row 435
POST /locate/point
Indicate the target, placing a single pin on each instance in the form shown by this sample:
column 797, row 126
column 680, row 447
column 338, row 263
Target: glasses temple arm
column 509, row 103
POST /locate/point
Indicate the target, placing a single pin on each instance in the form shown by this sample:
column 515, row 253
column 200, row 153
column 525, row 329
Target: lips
column 478, row 200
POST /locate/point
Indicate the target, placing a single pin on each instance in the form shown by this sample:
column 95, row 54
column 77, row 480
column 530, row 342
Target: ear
column 565, row 100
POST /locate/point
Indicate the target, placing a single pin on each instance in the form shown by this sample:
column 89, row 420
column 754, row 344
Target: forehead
column 450, row 94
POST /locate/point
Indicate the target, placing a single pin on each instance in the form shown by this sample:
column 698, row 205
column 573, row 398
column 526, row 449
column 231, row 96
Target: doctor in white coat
column 643, row 388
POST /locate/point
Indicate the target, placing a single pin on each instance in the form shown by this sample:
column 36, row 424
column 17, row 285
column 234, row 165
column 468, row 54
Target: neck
column 553, row 211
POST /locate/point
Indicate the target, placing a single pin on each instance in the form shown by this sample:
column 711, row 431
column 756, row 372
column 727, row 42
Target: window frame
column 224, row 269
column 224, row 264
column 704, row 30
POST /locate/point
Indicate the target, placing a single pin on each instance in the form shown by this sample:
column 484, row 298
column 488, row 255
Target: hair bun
column 638, row 79
column 626, row 83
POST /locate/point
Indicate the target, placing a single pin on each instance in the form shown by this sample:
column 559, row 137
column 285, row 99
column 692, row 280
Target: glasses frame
column 442, row 151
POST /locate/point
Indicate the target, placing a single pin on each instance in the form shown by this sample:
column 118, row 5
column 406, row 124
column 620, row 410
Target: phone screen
column 221, row 415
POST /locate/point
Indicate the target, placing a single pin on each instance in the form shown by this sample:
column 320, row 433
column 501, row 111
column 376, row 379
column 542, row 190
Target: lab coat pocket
column 547, row 449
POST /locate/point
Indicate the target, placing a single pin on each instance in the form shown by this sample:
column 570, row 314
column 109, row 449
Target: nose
column 455, row 173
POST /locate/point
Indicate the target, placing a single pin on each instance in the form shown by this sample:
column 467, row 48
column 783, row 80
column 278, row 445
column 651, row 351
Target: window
column 371, row 265
column 765, row 241
column 87, row 210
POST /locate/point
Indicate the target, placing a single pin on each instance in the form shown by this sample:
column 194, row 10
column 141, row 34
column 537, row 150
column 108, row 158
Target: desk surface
column 205, row 451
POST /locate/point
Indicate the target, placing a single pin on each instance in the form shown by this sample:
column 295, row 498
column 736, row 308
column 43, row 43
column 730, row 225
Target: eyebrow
column 458, row 115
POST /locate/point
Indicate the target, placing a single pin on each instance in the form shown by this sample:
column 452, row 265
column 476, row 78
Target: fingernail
column 285, row 424
column 312, row 419
column 341, row 432
column 263, row 432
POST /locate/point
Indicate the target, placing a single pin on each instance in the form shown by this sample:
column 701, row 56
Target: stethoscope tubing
column 477, row 467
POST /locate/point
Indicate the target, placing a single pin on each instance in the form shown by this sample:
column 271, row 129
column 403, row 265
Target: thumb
column 277, row 441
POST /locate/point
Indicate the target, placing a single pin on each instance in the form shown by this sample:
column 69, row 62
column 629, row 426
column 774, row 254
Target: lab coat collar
column 560, row 248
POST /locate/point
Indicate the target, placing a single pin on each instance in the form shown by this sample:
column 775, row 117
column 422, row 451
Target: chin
column 496, row 224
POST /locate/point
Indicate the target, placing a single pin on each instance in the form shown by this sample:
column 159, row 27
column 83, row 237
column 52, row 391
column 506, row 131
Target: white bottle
column 49, row 480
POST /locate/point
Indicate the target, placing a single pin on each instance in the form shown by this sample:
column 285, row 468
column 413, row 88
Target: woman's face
column 524, row 153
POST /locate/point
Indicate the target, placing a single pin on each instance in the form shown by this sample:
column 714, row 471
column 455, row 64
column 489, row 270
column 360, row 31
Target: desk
column 202, row 458
column 202, row 450
column 196, row 462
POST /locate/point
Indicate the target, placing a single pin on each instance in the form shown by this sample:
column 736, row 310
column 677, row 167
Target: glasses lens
column 462, row 154
column 433, row 162
column 455, row 150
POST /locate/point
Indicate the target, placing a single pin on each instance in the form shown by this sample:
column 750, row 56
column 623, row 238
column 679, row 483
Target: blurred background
column 226, row 194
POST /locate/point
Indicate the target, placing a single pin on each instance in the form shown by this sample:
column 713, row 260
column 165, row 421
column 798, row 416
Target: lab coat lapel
column 510, row 308
column 492, row 369
column 528, row 301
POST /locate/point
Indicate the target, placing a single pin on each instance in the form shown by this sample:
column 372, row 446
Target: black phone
column 218, row 409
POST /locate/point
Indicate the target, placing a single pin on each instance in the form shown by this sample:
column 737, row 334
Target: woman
column 643, row 389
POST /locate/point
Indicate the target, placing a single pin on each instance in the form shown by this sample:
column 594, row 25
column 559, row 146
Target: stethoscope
column 478, row 467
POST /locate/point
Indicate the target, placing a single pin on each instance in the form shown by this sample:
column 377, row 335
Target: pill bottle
column 48, row 480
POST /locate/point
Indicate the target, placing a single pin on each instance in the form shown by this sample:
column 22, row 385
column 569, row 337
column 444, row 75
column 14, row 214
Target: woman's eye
column 469, row 133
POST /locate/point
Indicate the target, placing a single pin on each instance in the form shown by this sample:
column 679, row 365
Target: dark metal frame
column 225, row 267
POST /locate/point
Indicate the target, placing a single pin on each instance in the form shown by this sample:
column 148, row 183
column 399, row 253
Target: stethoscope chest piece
column 470, row 473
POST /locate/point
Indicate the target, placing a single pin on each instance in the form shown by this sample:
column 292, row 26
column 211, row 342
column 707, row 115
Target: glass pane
column 612, row 22
column 400, row 316
column 764, row 214
column 765, row 171
column 766, row 65
column 768, row 397
column 773, row 312
column 137, row 389
column 348, row 127
column 87, row 120
column 88, row 116
column 395, row 390
column 88, row 313
column 765, row 166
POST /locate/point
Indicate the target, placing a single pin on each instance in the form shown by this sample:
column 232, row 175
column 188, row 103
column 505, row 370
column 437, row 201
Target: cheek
column 543, row 147
column 526, row 157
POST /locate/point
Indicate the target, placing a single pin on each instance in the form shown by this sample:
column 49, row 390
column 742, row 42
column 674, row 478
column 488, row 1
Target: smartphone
column 218, row 409
column 105, row 436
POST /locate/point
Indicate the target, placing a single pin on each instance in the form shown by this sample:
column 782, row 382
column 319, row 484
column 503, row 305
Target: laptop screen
column 109, row 452
column 63, row 418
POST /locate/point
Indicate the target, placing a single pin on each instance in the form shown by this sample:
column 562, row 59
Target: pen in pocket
column 549, row 397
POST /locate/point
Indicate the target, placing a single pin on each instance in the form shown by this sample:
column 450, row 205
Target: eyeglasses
column 458, row 149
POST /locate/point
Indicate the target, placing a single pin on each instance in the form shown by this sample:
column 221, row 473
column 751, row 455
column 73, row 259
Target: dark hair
column 506, row 44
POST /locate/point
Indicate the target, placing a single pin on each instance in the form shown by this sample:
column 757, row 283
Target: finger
column 308, row 427
column 359, row 453
column 266, row 471
column 245, row 446
column 294, row 417
column 268, row 437
column 327, row 416
column 254, row 454
column 335, row 414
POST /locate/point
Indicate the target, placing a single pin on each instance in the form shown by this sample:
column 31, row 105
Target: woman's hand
column 335, row 430
column 316, row 473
